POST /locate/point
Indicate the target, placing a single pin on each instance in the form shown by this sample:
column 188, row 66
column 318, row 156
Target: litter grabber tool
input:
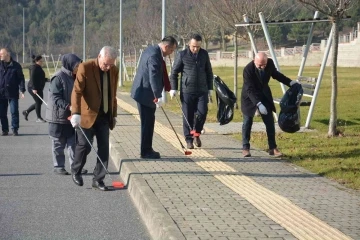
column 115, row 184
column 192, row 131
column 41, row 99
column 186, row 152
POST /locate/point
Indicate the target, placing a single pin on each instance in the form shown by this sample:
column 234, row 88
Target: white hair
column 108, row 51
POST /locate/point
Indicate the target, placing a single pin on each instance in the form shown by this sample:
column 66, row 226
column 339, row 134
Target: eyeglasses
column 108, row 65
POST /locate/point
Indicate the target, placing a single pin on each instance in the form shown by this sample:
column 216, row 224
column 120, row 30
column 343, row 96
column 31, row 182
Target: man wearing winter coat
column 196, row 85
column 61, row 132
column 256, row 94
column 11, row 81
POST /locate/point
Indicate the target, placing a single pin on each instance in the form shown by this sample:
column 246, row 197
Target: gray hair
column 108, row 51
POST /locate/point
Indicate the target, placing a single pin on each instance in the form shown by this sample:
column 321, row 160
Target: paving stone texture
column 215, row 193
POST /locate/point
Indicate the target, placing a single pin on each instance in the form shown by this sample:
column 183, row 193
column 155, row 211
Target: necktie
column 105, row 93
column 167, row 85
column 262, row 73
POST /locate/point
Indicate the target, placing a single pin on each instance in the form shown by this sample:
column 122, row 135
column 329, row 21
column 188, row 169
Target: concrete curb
column 157, row 220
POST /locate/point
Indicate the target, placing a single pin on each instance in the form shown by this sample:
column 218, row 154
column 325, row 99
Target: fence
column 131, row 60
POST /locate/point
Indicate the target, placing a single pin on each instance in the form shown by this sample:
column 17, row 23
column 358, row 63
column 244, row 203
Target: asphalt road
column 35, row 203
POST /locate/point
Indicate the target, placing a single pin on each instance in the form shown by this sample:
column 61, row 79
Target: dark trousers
column 3, row 115
column 100, row 130
column 14, row 110
column 195, row 108
column 37, row 104
column 268, row 120
column 147, row 119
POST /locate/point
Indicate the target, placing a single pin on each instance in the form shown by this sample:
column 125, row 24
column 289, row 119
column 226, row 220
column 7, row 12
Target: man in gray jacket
column 196, row 86
column 61, row 132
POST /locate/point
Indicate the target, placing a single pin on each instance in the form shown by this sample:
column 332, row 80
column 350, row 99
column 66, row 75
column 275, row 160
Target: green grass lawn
column 336, row 158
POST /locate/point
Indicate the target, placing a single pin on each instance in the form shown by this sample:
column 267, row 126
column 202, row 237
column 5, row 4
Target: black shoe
column 4, row 133
column 190, row 145
column 84, row 171
column 197, row 141
column 60, row 171
column 99, row 185
column 78, row 180
column 15, row 132
column 151, row 155
column 26, row 114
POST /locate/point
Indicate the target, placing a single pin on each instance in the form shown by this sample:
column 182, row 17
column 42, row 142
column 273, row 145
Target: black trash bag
column 225, row 100
column 289, row 117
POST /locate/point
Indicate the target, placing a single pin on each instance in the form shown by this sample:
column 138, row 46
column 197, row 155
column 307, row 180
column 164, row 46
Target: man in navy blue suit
column 150, row 79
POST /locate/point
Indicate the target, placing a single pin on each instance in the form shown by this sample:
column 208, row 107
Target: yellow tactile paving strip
column 299, row 222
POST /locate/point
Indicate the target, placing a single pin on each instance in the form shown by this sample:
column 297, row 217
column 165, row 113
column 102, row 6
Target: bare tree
column 203, row 22
column 179, row 19
column 230, row 12
column 46, row 28
column 16, row 47
column 148, row 20
column 335, row 10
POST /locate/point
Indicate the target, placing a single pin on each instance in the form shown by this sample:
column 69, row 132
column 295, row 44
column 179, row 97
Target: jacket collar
column 97, row 71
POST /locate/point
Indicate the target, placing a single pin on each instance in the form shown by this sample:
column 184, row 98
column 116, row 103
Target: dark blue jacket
column 11, row 80
column 148, row 83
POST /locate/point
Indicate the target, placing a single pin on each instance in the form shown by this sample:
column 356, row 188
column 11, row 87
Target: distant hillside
column 56, row 26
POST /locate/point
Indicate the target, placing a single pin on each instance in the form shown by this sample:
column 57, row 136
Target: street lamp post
column 120, row 49
column 84, row 54
column 23, row 35
column 163, row 33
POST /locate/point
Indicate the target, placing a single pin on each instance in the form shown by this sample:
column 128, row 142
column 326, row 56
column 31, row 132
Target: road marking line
column 302, row 224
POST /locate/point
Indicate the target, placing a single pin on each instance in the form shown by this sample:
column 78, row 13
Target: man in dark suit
column 256, row 94
column 147, row 86
column 94, row 108
column 195, row 88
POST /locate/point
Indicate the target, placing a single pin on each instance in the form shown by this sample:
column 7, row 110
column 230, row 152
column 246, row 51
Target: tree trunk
column 333, row 109
column 222, row 35
column 206, row 43
column 184, row 43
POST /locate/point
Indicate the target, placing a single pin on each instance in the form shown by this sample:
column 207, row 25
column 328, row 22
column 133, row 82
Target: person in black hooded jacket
column 58, row 110
column 36, row 86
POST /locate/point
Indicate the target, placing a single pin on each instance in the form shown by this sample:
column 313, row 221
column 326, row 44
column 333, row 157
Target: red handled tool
column 115, row 184
column 192, row 131
column 186, row 152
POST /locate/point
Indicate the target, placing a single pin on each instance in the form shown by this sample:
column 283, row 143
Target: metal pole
column 235, row 66
column 121, row 83
column 246, row 19
column 268, row 39
column 163, row 33
column 23, row 35
column 319, row 79
column 84, row 54
column 306, row 51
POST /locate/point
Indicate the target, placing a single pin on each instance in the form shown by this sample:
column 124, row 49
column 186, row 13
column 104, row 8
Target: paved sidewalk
column 215, row 193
